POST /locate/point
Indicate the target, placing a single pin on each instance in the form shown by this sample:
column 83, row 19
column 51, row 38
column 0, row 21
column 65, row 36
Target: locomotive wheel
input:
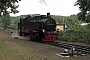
column 38, row 38
column 33, row 38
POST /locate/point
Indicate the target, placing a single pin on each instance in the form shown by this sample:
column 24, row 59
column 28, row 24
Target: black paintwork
column 38, row 22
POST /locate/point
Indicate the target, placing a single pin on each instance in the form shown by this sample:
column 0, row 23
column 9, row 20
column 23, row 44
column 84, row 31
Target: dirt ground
column 40, row 48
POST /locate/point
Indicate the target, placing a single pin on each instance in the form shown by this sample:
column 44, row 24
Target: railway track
column 78, row 49
column 74, row 49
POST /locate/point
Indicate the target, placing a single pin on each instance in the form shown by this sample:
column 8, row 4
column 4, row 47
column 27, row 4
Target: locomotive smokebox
column 48, row 14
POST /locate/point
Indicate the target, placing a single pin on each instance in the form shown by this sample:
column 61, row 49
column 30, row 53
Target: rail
column 78, row 49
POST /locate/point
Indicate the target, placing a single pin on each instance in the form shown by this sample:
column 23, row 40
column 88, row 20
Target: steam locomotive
column 38, row 28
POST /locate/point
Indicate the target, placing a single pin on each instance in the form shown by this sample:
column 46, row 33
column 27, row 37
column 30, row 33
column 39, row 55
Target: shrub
column 77, row 34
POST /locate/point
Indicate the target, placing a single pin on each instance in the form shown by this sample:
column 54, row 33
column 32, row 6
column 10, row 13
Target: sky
column 55, row 7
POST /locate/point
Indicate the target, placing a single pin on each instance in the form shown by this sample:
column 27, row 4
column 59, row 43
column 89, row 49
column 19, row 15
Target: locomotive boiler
column 38, row 28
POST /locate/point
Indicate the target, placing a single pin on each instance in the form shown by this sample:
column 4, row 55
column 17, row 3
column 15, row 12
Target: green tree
column 84, row 6
column 6, row 21
column 72, row 21
column 0, row 21
column 8, row 4
column 88, row 18
column 15, row 21
column 59, row 19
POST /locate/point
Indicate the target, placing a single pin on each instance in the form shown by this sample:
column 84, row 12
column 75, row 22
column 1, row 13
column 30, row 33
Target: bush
column 77, row 34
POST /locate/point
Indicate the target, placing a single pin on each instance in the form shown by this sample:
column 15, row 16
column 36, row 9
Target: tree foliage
column 15, row 21
column 72, row 21
column 8, row 4
column 6, row 20
column 0, row 21
column 59, row 19
column 84, row 6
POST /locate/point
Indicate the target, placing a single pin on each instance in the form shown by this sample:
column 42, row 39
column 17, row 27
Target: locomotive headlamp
column 43, row 30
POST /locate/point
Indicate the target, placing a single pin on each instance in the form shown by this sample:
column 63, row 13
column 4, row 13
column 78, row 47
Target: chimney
column 48, row 14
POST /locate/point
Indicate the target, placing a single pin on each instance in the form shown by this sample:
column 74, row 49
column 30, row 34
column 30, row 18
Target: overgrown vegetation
column 76, row 34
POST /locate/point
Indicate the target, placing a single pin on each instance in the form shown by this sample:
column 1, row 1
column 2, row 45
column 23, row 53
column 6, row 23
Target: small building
column 60, row 27
column 83, row 24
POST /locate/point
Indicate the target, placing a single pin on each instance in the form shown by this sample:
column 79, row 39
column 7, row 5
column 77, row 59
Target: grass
column 1, row 27
column 10, row 50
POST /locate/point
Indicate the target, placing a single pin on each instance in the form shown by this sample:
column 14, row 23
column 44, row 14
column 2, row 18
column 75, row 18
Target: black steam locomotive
column 38, row 28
